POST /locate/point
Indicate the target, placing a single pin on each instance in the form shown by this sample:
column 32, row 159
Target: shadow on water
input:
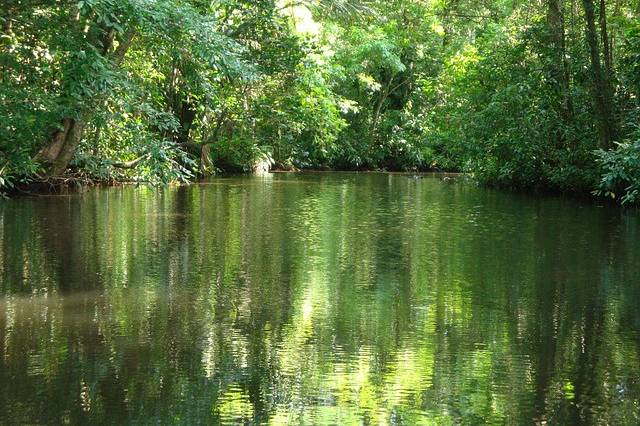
column 318, row 298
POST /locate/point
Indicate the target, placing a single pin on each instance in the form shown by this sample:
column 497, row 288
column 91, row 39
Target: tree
column 601, row 83
column 558, row 64
column 517, row 93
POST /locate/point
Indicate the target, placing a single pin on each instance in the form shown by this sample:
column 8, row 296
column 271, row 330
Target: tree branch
column 129, row 164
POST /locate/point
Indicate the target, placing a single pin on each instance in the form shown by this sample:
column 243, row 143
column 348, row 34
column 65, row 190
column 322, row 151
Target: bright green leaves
column 401, row 84
column 621, row 172
column 380, row 54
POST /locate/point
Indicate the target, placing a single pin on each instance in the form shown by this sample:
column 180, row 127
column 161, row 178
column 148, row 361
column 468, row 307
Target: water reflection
column 320, row 299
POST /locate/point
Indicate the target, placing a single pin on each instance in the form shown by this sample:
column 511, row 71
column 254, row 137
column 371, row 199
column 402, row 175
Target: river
column 328, row 298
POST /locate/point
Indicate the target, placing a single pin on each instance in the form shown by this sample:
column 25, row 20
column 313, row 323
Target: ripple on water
column 318, row 299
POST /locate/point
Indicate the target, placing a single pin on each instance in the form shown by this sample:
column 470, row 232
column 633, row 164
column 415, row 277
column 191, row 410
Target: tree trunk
column 559, row 66
column 608, row 68
column 612, row 37
column 604, row 35
column 206, row 165
column 186, row 114
column 601, row 93
column 50, row 152
column 7, row 25
column 65, row 141
column 377, row 112
column 72, row 139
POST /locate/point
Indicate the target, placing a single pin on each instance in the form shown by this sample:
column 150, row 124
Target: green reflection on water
column 318, row 299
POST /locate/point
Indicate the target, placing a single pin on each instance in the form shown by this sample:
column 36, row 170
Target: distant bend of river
column 318, row 298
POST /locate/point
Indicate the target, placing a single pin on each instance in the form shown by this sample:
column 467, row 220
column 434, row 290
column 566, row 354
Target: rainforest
column 320, row 212
column 540, row 95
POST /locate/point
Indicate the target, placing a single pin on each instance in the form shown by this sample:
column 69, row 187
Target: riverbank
column 74, row 184
column 80, row 181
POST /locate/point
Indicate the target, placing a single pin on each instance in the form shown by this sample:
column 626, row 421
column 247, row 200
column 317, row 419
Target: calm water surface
column 318, row 299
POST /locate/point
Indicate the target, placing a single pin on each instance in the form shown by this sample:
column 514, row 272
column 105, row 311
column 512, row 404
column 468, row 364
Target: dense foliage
column 521, row 94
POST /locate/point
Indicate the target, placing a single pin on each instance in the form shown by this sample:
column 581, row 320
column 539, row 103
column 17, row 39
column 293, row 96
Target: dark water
column 318, row 299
